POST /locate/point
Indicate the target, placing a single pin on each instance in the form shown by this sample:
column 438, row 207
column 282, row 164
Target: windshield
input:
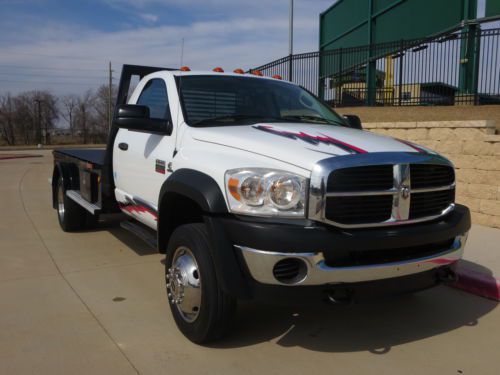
column 227, row 100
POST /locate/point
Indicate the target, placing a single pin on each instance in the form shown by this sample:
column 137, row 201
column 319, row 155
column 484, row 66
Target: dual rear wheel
column 72, row 217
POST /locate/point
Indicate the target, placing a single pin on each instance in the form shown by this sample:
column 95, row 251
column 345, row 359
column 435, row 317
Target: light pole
column 290, row 43
column 290, row 31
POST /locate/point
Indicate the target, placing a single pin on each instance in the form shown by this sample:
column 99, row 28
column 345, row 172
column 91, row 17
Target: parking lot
column 94, row 303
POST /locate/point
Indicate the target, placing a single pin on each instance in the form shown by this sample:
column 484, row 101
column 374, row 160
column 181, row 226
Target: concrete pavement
column 94, row 303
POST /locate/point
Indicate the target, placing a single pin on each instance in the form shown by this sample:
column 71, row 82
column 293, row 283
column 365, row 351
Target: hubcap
column 60, row 203
column 184, row 284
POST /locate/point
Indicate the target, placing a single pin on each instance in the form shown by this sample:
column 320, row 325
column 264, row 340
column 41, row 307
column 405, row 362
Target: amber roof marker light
column 218, row 70
column 239, row 71
column 185, row 69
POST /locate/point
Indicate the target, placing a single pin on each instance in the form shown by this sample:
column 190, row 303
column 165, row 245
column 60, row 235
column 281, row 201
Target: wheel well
column 175, row 210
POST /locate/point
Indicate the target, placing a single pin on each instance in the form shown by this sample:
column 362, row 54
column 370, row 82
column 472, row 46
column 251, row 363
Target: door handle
column 123, row 146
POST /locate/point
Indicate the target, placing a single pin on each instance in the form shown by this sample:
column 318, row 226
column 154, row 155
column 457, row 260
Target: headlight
column 265, row 192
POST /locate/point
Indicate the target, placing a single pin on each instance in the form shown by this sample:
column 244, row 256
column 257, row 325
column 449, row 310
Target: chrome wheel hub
column 60, row 203
column 184, row 284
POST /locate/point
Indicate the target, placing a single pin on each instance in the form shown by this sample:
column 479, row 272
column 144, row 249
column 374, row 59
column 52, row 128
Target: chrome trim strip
column 387, row 192
column 77, row 197
column 361, row 193
column 402, row 185
column 394, row 222
column 439, row 188
column 260, row 264
column 401, row 201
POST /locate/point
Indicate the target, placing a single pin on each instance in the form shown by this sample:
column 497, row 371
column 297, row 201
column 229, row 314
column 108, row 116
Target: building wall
column 427, row 113
column 474, row 148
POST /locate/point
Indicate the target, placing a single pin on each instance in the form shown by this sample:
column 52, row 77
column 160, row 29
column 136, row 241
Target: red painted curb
column 477, row 283
column 7, row 157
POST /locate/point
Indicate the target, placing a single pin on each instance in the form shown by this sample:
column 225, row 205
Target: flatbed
column 90, row 155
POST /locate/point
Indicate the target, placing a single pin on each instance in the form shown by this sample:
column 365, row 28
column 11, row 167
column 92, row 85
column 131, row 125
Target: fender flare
column 197, row 186
column 204, row 191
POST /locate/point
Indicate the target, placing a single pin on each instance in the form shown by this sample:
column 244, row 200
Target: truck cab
column 256, row 189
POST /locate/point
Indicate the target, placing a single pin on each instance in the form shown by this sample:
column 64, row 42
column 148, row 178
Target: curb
column 477, row 283
column 8, row 157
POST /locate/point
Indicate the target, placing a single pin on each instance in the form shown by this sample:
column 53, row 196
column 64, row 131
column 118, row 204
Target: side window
column 154, row 96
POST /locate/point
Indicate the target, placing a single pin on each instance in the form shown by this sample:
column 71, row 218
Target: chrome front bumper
column 261, row 263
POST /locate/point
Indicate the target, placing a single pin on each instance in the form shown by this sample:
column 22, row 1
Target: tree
column 48, row 113
column 69, row 107
column 6, row 119
column 24, row 117
column 34, row 113
column 101, row 106
column 83, row 115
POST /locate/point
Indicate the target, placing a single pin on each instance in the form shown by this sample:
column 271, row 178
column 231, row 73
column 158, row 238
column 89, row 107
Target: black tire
column 91, row 221
column 217, row 308
column 71, row 216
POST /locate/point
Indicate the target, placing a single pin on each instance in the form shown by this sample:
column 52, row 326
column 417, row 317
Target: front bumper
column 244, row 252
column 260, row 264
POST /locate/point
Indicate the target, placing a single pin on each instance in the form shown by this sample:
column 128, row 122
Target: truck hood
column 301, row 144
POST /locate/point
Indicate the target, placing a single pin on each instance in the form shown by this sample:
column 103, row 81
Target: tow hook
column 447, row 276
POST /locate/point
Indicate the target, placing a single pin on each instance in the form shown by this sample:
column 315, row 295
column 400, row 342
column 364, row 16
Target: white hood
column 300, row 144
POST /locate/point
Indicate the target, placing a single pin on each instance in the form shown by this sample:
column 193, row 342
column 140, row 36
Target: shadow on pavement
column 476, row 267
column 112, row 225
column 140, row 247
column 371, row 326
column 374, row 326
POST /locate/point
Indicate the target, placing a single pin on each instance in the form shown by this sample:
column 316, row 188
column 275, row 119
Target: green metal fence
column 457, row 68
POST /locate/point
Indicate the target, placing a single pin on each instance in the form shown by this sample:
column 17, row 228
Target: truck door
column 140, row 159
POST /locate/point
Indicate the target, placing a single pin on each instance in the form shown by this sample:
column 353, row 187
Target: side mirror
column 136, row 118
column 353, row 122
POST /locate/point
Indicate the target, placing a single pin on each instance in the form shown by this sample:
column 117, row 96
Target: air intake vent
column 290, row 271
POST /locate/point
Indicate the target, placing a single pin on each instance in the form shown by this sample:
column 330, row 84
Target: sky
column 65, row 45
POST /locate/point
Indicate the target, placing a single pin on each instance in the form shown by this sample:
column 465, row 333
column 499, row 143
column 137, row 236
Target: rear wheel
column 201, row 309
column 71, row 216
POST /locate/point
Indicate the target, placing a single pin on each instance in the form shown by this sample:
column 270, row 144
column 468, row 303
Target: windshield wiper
column 237, row 117
column 290, row 118
column 313, row 119
column 234, row 117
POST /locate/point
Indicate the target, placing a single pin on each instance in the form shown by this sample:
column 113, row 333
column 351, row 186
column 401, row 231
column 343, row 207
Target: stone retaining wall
column 473, row 147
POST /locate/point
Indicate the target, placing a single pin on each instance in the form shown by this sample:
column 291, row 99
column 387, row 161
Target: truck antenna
column 179, row 99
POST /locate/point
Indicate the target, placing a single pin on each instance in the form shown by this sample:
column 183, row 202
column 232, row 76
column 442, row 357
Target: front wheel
column 201, row 309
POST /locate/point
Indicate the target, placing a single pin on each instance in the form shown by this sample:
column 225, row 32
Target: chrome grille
column 392, row 189
column 374, row 177
column 360, row 209
column 430, row 203
column 428, row 175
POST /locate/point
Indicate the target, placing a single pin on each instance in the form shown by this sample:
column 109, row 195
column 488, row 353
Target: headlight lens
column 266, row 192
column 285, row 192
